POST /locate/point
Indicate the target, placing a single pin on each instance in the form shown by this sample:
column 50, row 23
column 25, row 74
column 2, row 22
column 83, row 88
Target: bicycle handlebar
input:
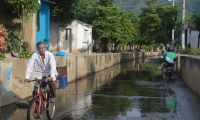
column 36, row 80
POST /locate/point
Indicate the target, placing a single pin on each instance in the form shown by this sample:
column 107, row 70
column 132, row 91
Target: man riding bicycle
column 44, row 65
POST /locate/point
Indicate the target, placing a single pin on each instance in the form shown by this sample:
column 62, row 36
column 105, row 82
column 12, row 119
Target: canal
column 129, row 91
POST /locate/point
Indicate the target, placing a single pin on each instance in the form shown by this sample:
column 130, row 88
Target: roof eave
column 49, row 1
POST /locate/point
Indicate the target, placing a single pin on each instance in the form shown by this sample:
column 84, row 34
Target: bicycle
column 40, row 103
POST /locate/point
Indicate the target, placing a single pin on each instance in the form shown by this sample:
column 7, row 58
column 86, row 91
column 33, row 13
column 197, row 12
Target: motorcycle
column 167, row 69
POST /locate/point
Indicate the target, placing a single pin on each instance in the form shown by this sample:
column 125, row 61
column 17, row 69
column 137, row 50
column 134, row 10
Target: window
column 86, row 37
column 68, row 32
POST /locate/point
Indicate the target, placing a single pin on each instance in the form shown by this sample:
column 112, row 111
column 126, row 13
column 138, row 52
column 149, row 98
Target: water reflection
column 129, row 90
column 126, row 91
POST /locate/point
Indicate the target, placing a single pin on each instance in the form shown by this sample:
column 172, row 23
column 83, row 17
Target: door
column 65, row 39
column 85, row 41
column 43, row 24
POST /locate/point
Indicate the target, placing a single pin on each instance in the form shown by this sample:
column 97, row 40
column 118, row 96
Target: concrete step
column 21, row 91
column 22, row 104
column 17, row 83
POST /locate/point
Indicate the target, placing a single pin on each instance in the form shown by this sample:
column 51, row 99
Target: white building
column 191, row 35
column 75, row 37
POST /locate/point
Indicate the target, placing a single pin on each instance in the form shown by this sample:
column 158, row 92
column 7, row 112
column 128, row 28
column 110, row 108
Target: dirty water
column 127, row 91
column 132, row 90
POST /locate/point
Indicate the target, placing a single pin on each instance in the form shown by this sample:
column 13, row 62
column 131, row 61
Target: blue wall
column 44, row 24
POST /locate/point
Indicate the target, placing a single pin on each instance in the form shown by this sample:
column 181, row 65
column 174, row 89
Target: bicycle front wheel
column 33, row 112
column 50, row 108
column 15, row 47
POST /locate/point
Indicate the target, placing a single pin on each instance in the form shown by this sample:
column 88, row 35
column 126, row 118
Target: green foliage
column 150, row 66
column 16, row 41
column 188, row 19
column 16, row 35
column 83, row 10
column 144, row 47
column 110, row 23
column 131, row 5
column 168, row 14
column 25, row 55
column 149, row 22
column 23, row 7
column 64, row 11
column 25, row 46
column 178, row 23
column 134, row 5
column 148, row 47
column 156, row 22
column 148, row 71
column 196, row 20
column 190, row 51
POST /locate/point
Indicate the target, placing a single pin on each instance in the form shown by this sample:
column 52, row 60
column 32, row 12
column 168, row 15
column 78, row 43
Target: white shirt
column 46, row 68
column 169, row 60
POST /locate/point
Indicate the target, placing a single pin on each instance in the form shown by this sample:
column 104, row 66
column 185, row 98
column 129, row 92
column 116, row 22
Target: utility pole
column 183, row 24
column 173, row 29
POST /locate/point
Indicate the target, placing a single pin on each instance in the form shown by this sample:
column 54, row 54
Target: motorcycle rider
column 169, row 57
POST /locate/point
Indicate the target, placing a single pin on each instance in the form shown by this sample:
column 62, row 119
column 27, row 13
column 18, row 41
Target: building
column 35, row 29
column 75, row 37
column 191, row 35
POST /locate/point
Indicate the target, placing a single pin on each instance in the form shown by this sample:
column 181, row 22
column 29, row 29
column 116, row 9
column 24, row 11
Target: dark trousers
column 43, row 84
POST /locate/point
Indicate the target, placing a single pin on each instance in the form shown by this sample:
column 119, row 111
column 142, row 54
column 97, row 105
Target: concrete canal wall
column 12, row 71
column 189, row 69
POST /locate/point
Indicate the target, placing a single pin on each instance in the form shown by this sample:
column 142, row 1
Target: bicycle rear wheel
column 15, row 47
column 50, row 107
column 32, row 112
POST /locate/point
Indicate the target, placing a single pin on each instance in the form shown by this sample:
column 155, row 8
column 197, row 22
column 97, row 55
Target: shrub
column 25, row 46
column 190, row 51
column 3, row 46
column 25, row 53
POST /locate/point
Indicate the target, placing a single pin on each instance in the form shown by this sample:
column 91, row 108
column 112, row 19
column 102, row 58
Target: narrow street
column 129, row 91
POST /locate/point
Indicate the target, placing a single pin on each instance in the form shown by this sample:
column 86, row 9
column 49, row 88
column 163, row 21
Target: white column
column 172, row 29
column 183, row 23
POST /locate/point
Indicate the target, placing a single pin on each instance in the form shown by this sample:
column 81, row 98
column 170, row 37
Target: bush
column 190, row 51
column 3, row 46
column 25, row 46
column 25, row 55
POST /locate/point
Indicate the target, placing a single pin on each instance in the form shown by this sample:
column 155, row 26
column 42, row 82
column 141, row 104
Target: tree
column 61, row 12
column 168, row 14
column 23, row 8
column 106, row 25
column 84, row 11
column 111, row 25
column 196, row 20
column 128, row 28
column 149, row 22
column 64, row 11
column 156, row 21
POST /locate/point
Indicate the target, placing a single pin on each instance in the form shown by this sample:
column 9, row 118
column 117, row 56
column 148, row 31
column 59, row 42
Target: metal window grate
column 62, row 70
